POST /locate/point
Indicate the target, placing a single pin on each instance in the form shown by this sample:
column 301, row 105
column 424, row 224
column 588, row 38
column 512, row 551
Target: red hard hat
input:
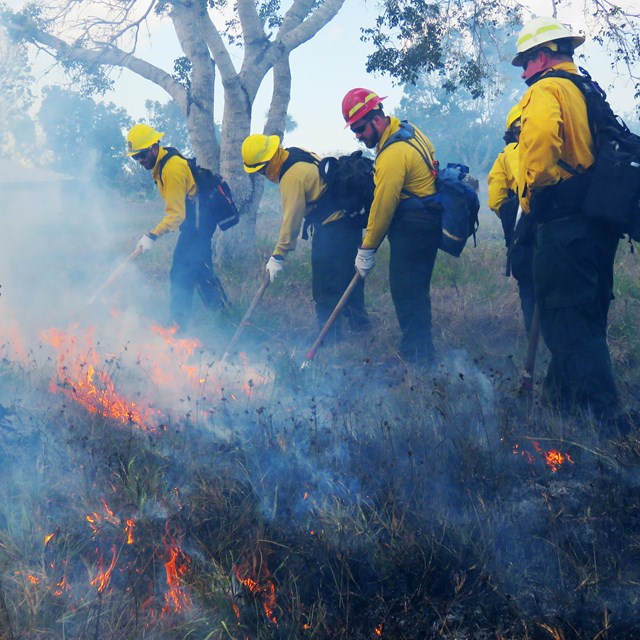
column 357, row 103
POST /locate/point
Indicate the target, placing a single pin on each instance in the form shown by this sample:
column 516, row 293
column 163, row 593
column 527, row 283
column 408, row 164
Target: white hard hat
column 543, row 31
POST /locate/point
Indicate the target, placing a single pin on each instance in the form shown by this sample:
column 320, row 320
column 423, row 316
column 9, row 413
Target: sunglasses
column 360, row 129
column 141, row 154
column 528, row 58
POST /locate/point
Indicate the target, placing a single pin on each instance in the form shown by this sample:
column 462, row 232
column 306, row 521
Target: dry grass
column 333, row 504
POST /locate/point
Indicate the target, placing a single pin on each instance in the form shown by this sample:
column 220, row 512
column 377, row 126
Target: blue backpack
column 460, row 206
column 454, row 195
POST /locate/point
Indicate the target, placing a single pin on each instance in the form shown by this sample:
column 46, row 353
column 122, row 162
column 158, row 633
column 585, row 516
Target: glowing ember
column 62, row 586
column 263, row 588
column 101, row 581
column 553, row 458
column 47, row 538
column 378, row 630
column 78, row 379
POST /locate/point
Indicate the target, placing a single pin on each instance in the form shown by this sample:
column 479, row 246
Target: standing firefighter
column 504, row 201
column 335, row 239
column 573, row 255
column 403, row 177
column 192, row 258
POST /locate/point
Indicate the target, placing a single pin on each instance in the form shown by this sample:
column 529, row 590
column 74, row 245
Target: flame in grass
column 79, row 379
column 101, row 581
column 378, row 631
column 261, row 585
column 553, row 458
column 129, row 527
column 176, row 599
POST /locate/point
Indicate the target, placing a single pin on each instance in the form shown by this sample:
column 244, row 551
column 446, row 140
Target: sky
column 323, row 70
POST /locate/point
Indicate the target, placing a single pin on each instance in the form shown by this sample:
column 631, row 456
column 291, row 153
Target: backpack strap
column 592, row 92
column 296, row 155
column 170, row 153
column 407, row 133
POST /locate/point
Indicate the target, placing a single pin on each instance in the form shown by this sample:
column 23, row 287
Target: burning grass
column 150, row 492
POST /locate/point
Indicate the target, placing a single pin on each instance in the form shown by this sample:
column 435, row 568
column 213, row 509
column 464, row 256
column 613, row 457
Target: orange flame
column 553, row 458
column 101, row 581
column 130, row 525
column 176, row 599
column 264, row 589
column 78, row 379
column 378, row 630
column 48, row 537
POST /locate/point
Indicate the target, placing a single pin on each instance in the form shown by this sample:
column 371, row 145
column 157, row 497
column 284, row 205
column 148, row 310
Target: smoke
column 373, row 496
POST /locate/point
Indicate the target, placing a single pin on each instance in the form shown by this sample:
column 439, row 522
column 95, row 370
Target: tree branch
column 107, row 56
column 309, row 27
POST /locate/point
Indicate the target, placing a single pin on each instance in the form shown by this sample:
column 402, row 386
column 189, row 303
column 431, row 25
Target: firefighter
column 335, row 239
column 402, row 177
column 192, row 266
column 573, row 255
column 503, row 200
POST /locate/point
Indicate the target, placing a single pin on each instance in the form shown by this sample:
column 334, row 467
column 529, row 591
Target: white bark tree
column 17, row 132
column 97, row 36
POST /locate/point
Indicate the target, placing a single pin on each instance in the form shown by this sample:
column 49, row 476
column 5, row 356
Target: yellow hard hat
column 513, row 115
column 544, row 31
column 141, row 136
column 257, row 150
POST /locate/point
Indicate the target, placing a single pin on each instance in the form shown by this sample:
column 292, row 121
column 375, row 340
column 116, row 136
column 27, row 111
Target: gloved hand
column 145, row 243
column 365, row 261
column 274, row 267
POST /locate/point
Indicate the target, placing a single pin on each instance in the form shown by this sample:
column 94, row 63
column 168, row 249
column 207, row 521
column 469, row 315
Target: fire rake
column 245, row 320
column 332, row 318
column 115, row 275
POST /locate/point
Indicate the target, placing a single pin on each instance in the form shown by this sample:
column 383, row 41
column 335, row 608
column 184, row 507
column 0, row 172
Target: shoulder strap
column 601, row 116
column 296, row 155
column 170, row 153
column 407, row 133
column 591, row 91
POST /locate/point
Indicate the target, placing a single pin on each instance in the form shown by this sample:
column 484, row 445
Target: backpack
column 350, row 187
column 460, row 205
column 214, row 194
column 613, row 191
column 456, row 198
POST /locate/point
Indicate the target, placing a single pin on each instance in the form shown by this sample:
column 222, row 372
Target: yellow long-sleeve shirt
column 554, row 126
column 399, row 166
column 300, row 186
column 502, row 177
column 176, row 185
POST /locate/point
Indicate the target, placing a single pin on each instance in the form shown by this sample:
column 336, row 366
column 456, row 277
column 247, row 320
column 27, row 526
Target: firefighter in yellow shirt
column 335, row 239
column 573, row 255
column 503, row 200
column 192, row 266
column 403, row 177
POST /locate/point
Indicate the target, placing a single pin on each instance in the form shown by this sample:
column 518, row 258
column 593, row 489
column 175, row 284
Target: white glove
column 145, row 243
column 274, row 267
column 365, row 261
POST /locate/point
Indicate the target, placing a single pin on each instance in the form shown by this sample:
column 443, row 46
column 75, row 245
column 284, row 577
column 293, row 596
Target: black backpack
column 350, row 187
column 613, row 193
column 214, row 194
